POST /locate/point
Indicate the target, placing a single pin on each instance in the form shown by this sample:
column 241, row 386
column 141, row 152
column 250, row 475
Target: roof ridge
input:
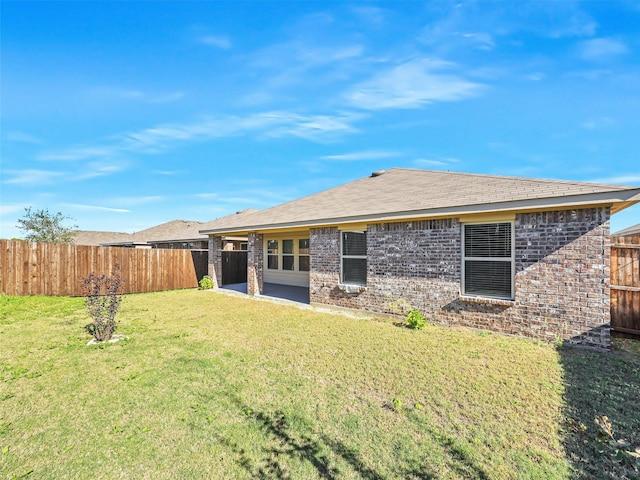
column 522, row 179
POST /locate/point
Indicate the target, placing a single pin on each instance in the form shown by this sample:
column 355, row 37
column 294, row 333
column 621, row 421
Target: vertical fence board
column 57, row 270
column 10, row 268
column 3, row 264
column 625, row 285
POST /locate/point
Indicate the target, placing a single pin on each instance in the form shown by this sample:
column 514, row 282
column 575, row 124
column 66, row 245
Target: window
column 287, row 255
column 354, row 258
column 272, row 254
column 488, row 260
column 303, row 254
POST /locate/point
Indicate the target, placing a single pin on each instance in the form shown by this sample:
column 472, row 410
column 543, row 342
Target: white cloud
column 248, row 197
column 427, row 162
column 22, row 137
column 299, row 62
column 78, row 153
column 317, row 128
column 165, row 97
column 117, row 93
column 461, row 26
column 602, row 49
column 369, row 14
column 32, row 177
column 270, row 124
column 629, row 179
column 137, row 201
column 576, row 24
column 482, row 41
column 598, row 123
column 96, row 208
column 365, row 155
column 97, row 169
column 535, row 76
column 219, row 41
column 10, row 209
column 162, row 137
column 206, row 196
column 413, row 84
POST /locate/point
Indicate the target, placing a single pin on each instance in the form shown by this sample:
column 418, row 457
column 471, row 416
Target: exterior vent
column 377, row 173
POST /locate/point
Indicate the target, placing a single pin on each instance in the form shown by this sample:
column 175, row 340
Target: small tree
column 103, row 300
column 42, row 226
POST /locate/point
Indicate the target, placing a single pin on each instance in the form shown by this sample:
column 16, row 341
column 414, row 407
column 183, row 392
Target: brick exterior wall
column 561, row 284
column 255, row 264
column 215, row 260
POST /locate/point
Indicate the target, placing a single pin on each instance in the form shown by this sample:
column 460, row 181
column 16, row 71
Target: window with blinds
column 488, row 260
column 354, row 258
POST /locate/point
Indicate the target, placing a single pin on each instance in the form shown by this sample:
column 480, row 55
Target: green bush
column 416, row 320
column 206, row 283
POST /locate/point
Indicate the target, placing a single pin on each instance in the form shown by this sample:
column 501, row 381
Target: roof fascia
column 198, row 239
column 618, row 200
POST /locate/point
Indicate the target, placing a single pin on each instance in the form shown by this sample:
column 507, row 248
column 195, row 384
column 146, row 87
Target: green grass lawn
column 213, row 386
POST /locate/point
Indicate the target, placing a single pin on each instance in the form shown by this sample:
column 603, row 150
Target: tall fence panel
column 625, row 285
column 234, row 266
column 28, row 268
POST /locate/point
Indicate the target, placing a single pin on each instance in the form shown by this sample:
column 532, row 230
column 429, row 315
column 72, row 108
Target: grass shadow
column 286, row 443
column 600, row 384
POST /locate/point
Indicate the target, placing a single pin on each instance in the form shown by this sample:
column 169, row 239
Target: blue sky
column 124, row 115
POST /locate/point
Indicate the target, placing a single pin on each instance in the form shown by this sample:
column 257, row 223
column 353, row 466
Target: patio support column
column 255, row 264
column 215, row 260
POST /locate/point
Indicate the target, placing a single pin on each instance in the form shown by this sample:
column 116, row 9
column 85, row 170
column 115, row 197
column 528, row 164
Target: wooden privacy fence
column 625, row 284
column 57, row 270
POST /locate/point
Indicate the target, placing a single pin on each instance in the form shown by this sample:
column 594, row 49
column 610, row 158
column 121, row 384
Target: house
column 96, row 238
column 230, row 242
column 183, row 234
column 520, row 256
column 631, row 231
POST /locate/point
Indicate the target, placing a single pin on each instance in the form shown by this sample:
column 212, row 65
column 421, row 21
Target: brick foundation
column 561, row 283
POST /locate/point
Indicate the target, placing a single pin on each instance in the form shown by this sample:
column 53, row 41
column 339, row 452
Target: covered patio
column 274, row 290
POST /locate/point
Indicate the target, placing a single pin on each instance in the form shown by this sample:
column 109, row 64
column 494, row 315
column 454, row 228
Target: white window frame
column 277, row 255
column 342, row 256
column 305, row 255
column 511, row 259
column 295, row 254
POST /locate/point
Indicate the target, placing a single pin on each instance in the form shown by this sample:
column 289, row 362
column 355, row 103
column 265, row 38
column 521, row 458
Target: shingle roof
column 632, row 230
column 92, row 237
column 234, row 217
column 174, row 230
column 405, row 193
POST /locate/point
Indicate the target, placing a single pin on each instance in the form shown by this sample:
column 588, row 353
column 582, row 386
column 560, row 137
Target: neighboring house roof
column 176, row 230
column 633, row 230
column 408, row 193
column 173, row 231
column 90, row 237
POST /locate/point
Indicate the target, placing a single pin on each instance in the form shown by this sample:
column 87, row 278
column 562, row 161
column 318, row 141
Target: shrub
column 206, row 283
column 102, row 300
column 416, row 320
